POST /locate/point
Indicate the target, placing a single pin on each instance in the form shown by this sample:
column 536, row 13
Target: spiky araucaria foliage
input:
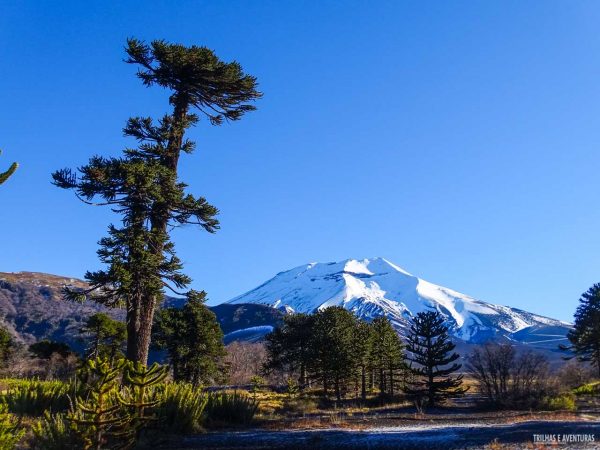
column 105, row 336
column 194, row 342
column 387, row 356
column 100, row 420
column 143, row 187
column 6, row 175
column 430, row 347
column 585, row 335
column 138, row 396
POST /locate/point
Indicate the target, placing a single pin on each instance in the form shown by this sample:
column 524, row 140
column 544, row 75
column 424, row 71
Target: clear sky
column 460, row 140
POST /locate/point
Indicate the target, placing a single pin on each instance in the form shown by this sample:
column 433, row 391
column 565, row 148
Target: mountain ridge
column 375, row 286
column 32, row 308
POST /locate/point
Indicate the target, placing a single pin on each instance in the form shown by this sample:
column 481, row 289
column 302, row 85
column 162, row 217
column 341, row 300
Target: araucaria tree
column 290, row 347
column 387, row 356
column 194, row 342
column 104, row 335
column 430, row 352
column 585, row 335
column 6, row 175
column 334, row 361
column 342, row 353
column 143, row 186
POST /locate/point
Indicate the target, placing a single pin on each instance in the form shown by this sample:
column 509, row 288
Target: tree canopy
column 193, row 340
column 105, row 336
column 45, row 349
column 431, row 350
column 142, row 186
column 585, row 335
column 6, row 175
column 340, row 352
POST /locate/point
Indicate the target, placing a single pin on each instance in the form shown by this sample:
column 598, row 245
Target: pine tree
column 6, row 175
column 430, row 347
column 585, row 335
column 143, row 185
column 106, row 336
column 193, row 340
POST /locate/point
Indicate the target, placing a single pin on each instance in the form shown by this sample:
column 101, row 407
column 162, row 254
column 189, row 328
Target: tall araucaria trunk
column 139, row 332
column 138, row 346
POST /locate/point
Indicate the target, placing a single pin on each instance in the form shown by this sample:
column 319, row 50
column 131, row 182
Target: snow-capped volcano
column 375, row 287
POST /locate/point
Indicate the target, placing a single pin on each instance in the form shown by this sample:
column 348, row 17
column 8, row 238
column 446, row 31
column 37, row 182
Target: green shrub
column 588, row 389
column 104, row 414
column 55, row 432
column 257, row 383
column 300, row 405
column 9, row 383
column 230, row 408
column 10, row 431
column 292, row 387
column 33, row 397
column 180, row 408
column 561, row 402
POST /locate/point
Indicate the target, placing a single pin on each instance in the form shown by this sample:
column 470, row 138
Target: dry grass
column 280, row 412
column 495, row 445
column 280, row 405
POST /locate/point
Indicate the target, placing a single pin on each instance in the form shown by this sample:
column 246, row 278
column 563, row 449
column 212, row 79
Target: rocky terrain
column 32, row 308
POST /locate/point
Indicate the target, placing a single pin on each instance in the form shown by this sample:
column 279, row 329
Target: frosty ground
column 503, row 431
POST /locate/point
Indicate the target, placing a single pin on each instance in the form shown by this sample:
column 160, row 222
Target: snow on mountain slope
column 375, row 287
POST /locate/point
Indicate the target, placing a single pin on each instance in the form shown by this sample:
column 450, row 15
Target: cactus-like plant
column 100, row 418
column 6, row 175
column 138, row 398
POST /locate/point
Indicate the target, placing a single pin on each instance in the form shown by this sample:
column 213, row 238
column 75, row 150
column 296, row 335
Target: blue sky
column 459, row 140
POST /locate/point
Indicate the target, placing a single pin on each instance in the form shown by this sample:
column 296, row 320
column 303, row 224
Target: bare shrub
column 575, row 373
column 245, row 360
column 21, row 364
column 508, row 379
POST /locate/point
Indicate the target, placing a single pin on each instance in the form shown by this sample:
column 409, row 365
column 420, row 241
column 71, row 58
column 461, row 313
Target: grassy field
column 187, row 411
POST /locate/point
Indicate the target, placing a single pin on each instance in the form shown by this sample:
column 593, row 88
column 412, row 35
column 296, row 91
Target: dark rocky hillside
column 236, row 317
column 32, row 308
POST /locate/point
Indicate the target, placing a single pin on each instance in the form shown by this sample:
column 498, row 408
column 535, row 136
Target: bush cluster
column 34, row 397
column 112, row 404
